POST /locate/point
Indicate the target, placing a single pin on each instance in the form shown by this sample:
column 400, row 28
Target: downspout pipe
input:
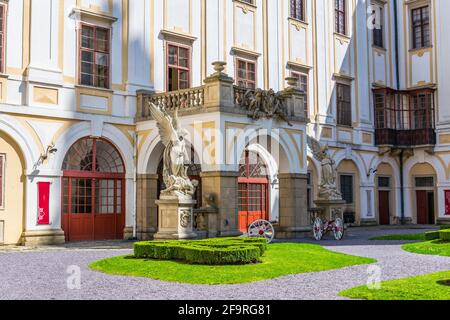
column 402, row 189
column 397, row 62
column 397, row 76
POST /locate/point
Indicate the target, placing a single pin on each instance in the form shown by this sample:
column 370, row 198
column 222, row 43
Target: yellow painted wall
column 385, row 169
column 13, row 212
column 349, row 167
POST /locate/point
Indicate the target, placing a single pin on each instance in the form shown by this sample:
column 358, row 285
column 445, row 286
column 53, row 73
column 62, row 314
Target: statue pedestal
column 331, row 209
column 175, row 219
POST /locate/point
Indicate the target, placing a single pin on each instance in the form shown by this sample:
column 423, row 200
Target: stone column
column 294, row 220
column 224, row 187
column 147, row 210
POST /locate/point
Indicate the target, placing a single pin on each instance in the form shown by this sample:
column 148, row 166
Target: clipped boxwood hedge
column 221, row 251
column 445, row 235
column 432, row 235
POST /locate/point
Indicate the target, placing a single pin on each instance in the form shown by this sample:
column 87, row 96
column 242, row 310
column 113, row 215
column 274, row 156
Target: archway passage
column 253, row 190
column 12, row 194
column 93, row 191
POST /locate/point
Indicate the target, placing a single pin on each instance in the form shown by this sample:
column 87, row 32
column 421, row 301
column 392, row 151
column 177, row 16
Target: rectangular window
column 246, row 74
column 378, row 28
column 425, row 182
column 94, row 56
column 421, row 27
column 347, row 188
column 384, row 182
column 303, row 84
column 380, row 117
column 344, row 105
column 340, row 16
column 2, row 37
column 178, row 67
column 422, row 111
column 2, row 181
column 298, row 9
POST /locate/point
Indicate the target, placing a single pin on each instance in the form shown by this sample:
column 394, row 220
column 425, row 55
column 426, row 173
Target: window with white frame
column 344, row 104
column 421, row 27
column 246, row 73
column 378, row 26
column 298, row 9
column 303, row 81
column 340, row 16
column 178, row 67
column 94, row 56
column 347, row 189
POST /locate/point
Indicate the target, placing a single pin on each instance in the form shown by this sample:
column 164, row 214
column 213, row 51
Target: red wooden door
column 384, row 207
column 253, row 191
column 422, row 207
column 78, row 212
column 93, row 192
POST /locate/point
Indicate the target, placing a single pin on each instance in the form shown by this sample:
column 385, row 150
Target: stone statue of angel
column 328, row 185
column 174, row 158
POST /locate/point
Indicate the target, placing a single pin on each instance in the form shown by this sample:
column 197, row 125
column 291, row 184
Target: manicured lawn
column 436, row 247
column 400, row 237
column 279, row 260
column 416, row 288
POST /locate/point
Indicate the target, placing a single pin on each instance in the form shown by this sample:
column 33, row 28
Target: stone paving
column 42, row 273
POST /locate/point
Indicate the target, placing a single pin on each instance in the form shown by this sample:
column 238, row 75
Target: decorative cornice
column 82, row 13
column 242, row 51
column 173, row 34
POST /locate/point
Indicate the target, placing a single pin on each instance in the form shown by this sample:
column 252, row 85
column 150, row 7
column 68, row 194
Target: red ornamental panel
column 447, row 202
column 43, row 203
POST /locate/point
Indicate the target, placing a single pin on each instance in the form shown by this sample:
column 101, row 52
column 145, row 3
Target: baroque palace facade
column 80, row 157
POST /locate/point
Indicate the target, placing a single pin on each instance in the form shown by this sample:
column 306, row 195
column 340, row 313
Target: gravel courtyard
column 43, row 273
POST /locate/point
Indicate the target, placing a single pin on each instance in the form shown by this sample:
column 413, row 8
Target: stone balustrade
column 218, row 94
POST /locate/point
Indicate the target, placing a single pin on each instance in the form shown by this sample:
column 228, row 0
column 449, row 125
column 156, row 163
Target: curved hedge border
column 221, row 251
column 444, row 235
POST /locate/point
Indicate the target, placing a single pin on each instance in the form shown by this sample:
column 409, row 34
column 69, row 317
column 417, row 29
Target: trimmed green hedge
column 444, row 235
column 221, row 251
column 445, row 227
column 432, row 235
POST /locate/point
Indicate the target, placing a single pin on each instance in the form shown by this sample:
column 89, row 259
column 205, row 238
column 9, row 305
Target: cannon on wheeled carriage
column 323, row 224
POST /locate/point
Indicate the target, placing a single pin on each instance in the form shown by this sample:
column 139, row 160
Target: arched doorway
column 253, row 190
column 384, row 183
column 423, row 180
column 349, row 185
column 93, row 191
column 12, row 195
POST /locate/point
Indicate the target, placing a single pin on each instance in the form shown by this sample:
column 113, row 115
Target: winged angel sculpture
column 173, row 136
column 328, row 186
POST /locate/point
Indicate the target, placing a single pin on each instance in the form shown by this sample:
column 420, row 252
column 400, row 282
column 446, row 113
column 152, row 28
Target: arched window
column 252, row 166
column 95, row 155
